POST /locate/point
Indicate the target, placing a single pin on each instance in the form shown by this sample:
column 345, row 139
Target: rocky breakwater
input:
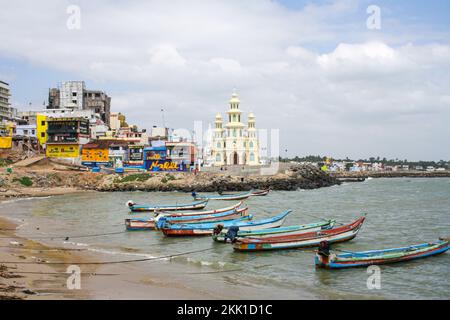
column 299, row 177
column 26, row 182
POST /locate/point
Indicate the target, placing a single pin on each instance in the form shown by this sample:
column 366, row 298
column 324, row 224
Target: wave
column 24, row 199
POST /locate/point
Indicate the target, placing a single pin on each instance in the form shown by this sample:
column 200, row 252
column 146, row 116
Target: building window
column 251, row 144
column 74, row 101
column 218, row 157
column 218, row 145
column 74, row 94
column 252, row 156
column 42, row 123
column 42, row 134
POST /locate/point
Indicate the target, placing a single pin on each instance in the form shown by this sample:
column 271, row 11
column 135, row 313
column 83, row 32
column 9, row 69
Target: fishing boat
column 309, row 239
column 150, row 223
column 236, row 196
column 209, row 228
column 290, row 230
column 376, row 257
column 260, row 193
column 199, row 213
column 197, row 205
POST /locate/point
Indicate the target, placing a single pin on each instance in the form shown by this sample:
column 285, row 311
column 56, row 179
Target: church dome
column 234, row 98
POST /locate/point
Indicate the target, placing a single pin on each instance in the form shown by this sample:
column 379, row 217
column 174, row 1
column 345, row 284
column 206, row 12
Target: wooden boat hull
column 203, row 230
column 240, row 196
column 291, row 230
column 192, row 206
column 260, row 193
column 310, row 239
column 378, row 257
column 151, row 223
column 200, row 213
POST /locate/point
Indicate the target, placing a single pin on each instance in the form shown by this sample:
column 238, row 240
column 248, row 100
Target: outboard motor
column 130, row 203
column 194, row 194
column 232, row 233
column 161, row 223
column 218, row 229
column 324, row 249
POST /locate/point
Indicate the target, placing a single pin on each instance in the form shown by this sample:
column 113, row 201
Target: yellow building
column 96, row 152
column 63, row 151
column 6, row 134
column 41, row 128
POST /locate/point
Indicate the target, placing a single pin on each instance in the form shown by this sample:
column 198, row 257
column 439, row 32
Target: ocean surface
column 399, row 212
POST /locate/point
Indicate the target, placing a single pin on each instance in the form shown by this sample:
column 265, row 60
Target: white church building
column 234, row 143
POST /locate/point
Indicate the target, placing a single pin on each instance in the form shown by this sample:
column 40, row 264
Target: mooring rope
column 109, row 262
column 64, row 237
column 44, row 249
column 61, row 273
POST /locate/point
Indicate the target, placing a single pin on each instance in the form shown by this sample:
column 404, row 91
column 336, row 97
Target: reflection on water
column 399, row 212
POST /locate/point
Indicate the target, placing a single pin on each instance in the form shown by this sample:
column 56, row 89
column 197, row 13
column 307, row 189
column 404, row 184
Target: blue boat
column 377, row 257
column 208, row 228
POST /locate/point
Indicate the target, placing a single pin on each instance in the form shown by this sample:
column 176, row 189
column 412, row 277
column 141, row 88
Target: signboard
column 63, row 150
column 165, row 165
column 136, row 154
column 95, row 155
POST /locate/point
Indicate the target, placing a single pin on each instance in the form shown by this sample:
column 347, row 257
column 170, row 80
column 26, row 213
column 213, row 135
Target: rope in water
column 44, row 249
column 64, row 237
column 62, row 273
column 109, row 262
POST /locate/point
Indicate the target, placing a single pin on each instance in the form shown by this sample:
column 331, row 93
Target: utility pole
column 163, row 121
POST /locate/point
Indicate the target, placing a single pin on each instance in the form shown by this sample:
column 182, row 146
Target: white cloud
column 329, row 85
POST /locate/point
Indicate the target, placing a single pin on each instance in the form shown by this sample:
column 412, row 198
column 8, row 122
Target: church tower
column 252, row 141
column 234, row 141
column 218, row 142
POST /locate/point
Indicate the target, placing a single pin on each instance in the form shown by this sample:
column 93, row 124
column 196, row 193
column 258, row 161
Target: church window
column 218, row 157
column 251, row 144
column 252, row 156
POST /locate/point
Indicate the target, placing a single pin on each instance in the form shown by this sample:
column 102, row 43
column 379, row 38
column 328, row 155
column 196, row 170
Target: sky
column 332, row 84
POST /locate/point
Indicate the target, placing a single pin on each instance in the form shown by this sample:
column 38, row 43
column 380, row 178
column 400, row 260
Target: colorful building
column 95, row 153
column 65, row 137
column 6, row 134
column 156, row 159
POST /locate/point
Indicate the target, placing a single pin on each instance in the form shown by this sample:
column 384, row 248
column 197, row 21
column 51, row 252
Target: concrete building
column 235, row 143
column 5, row 111
column 74, row 95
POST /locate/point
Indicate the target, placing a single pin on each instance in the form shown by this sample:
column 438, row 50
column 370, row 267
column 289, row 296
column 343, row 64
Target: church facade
column 235, row 143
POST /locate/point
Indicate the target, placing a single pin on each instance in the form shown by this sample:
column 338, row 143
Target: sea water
column 400, row 212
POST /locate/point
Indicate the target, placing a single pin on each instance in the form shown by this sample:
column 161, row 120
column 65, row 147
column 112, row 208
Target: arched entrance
column 235, row 158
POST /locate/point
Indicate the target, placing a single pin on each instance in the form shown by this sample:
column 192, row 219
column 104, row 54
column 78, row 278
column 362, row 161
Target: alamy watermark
column 74, row 280
column 374, row 280
column 373, row 22
column 74, row 19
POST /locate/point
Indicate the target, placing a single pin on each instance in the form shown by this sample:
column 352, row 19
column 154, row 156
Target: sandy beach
column 40, row 281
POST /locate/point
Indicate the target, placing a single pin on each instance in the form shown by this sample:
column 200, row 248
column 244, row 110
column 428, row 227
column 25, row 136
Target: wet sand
column 41, row 281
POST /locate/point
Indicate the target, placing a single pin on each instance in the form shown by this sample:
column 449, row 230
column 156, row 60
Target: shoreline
column 30, row 281
column 391, row 174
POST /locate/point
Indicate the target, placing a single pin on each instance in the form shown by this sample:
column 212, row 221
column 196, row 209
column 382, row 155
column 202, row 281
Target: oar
column 355, row 253
column 316, row 217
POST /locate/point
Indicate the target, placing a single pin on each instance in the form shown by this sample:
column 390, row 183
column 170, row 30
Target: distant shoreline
column 391, row 174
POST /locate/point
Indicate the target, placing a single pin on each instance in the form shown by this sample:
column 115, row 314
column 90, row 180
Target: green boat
column 290, row 230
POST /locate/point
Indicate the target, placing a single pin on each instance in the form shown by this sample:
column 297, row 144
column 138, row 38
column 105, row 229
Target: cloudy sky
column 312, row 69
